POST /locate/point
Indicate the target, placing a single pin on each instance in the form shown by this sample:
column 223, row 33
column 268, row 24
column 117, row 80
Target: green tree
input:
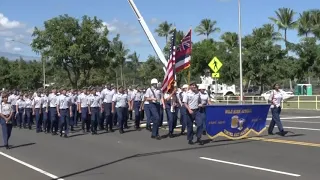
column 76, row 47
column 207, row 27
column 164, row 29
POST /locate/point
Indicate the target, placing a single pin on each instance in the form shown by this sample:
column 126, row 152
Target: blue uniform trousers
column 137, row 115
column 64, row 120
column 27, row 119
column 107, row 115
column 183, row 118
column 20, row 117
column 14, row 118
column 197, row 118
column 73, row 118
column 126, row 116
column 95, row 116
column 155, row 117
column 161, row 110
column 148, row 113
column 45, row 122
column 121, row 115
column 6, row 131
column 54, row 119
column 202, row 111
column 37, row 114
column 84, row 117
column 275, row 119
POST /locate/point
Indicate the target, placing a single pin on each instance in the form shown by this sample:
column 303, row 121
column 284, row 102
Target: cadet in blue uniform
column 204, row 101
column 73, row 118
column 6, row 113
column 36, row 111
column 136, row 100
column 13, row 100
column 191, row 101
column 28, row 111
column 20, row 113
column 52, row 100
column 183, row 110
column 94, row 110
column 83, row 109
column 154, row 102
column 169, row 101
column 119, row 104
column 106, row 96
column 45, row 112
column 64, row 111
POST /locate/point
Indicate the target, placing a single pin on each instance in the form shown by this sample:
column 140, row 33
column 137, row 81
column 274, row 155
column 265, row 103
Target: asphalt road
column 134, row 155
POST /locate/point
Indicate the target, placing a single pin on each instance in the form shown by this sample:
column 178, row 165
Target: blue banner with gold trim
column 236, row 121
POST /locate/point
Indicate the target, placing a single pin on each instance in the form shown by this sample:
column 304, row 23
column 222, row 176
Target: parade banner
column 236, row 121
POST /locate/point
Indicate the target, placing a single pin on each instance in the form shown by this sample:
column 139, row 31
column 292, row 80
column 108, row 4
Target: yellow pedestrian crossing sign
column 215, row 75
column 215, row 64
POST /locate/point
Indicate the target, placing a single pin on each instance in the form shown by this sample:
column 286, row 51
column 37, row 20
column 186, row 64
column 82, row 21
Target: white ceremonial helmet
column 202, row 86
column 154, row 81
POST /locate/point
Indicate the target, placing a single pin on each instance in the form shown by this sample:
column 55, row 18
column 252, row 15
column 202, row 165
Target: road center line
column 30, row 166
column 300, row 128
column 251, row 167
column 306, row 122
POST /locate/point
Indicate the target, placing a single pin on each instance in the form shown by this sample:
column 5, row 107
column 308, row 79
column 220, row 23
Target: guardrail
column 295, row 102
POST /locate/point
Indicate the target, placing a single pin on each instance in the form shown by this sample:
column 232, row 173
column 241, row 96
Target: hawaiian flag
column 168, row 82
column 183, row 54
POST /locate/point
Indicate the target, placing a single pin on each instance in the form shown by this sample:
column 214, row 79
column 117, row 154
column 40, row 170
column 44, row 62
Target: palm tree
column 267, row 32
column 284, row 20
column 305, row 24
column 134, row 57
column 121, row 53
column 230, row 39
column 164, row 29
column 207, row 27
column 179, row 37
column 315, row 22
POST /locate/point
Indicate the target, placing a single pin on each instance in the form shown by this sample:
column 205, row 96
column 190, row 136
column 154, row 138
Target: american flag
column 168, row 81
column 183, row 54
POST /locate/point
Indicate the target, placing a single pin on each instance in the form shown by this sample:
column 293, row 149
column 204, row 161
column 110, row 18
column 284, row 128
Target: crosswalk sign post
column 215, row 65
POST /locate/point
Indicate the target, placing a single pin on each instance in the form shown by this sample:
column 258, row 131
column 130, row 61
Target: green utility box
column 303, row 89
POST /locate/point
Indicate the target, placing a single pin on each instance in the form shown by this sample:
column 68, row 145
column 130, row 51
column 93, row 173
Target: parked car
column 287, row 94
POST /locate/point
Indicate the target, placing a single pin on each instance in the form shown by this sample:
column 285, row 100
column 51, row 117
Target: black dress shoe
column 158, row 137
column 121, row 131
column 7, row 146
column 283, row 133
column 200, row 142
column 190, row 142
column 65, row 136
column 270, row 133
column 171, row 135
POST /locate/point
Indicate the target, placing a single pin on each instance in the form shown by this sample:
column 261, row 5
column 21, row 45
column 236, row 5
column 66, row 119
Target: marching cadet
column 126, row 117
column 183, row 110
column 169, row 101
column 204, row 101
column 94, row 110
column 6, row 112
column 36, row 111
column 73, row 118
column 130, row 92
column 147, row 112
column 119, row 104
column 161, row 109
column 191, row 101
column 64, row 111
column 45, row 112
column 154, row 104
column 83, row 110
column 20, row 111
column 136, row 100
column 13, row 100
column 106, row 96
column 28, row 111
column 52, row 101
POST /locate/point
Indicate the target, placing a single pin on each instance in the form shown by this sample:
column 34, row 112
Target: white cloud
column 123, row 28
column 155, row 21
column 30, row 30
column 17, row 49
column 5, row 23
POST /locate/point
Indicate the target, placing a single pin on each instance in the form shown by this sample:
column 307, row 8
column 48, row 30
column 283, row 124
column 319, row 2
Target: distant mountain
column 12, row 56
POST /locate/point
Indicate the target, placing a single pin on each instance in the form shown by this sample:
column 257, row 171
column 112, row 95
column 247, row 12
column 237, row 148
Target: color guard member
column 119, row 104
column 94, row 110
column 6, row 113
column 83, row 109
column 36, row 111
column 136, row 100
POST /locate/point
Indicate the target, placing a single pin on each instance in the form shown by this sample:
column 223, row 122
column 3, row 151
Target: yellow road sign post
column 215, row 64
column 215, row 75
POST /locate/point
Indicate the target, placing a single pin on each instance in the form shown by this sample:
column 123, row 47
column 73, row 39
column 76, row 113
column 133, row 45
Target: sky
column 19, row 17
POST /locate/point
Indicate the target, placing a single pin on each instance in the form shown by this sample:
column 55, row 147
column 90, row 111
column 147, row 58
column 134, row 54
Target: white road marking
column 251, row 167
column 30, row 166
column 306, row 122
column 297, row 117
column 300, row 128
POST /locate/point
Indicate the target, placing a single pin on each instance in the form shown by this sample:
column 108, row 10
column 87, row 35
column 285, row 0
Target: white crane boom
column 149, row 34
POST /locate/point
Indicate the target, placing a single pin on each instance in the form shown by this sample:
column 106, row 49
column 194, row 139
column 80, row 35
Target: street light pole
column 43, row 59
column 240, row 52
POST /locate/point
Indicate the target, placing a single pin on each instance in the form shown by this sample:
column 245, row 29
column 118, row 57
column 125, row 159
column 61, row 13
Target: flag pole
column 240, row 51
column 189, row 69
